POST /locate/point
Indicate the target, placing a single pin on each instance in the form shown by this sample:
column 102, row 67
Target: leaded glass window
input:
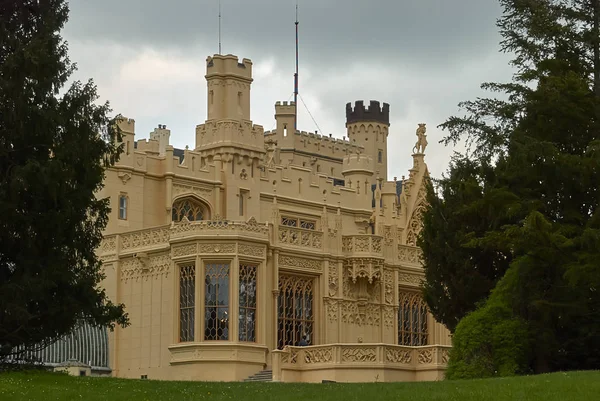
column 412, row 319
column 295, row 310
column 187, row 302
column 247, row 309
column 216, row 302
column 189, row 208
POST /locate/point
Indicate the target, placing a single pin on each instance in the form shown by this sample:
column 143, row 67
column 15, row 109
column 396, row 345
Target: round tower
column 369, row 126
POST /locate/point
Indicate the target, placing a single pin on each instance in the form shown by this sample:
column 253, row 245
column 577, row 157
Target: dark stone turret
column 374, row 112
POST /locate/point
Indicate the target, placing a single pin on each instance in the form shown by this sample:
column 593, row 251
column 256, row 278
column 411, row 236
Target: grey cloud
column 437, row 31
column 421, row 56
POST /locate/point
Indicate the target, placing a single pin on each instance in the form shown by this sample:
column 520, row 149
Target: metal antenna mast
column 296, row 75
column 219, row 26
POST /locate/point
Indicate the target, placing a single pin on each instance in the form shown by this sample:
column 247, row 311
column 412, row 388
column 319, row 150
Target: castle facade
column 285, row 251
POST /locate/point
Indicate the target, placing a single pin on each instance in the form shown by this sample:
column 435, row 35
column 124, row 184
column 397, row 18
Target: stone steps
column 262, row 376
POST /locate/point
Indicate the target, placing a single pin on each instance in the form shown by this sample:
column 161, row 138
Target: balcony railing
column 362, row 244
column 157, row 237
column 300, row 237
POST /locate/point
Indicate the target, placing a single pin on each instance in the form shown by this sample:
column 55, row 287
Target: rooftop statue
column 422, row 139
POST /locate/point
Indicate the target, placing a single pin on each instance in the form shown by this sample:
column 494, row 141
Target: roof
column 87, row 344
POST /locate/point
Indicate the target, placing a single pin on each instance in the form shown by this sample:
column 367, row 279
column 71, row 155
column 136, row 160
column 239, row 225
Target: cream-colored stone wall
column 355, row 262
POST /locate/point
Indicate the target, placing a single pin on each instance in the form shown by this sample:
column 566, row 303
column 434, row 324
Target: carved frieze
column 216, row 248
column 299, row 263
column 153, row 267
column 318, row 355
column 395, row 355
column 425, row 356
column 184, row 250
column 181, row 189
column 108, row 245
column 146, row 238
column 251, row 250
column 359, row 354
column 410, row 279
column 407, row 254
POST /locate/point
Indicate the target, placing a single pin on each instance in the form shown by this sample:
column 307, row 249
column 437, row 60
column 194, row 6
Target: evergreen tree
column 53, row 153
column 459, row 274
column 543, row 141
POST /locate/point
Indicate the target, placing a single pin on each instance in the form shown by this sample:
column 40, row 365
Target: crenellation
column 375, row 112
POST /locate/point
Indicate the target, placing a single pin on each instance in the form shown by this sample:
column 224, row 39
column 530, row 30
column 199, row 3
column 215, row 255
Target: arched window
column 189, row 208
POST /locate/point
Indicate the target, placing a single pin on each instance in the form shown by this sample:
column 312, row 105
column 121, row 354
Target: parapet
column 228, row 65
column 283, row 108
column 357, row 163
column 126, row 124
column 373, row 113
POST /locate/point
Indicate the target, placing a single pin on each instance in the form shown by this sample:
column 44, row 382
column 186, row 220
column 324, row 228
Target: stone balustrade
column 300, row 237
column 161, row 237
column 362, row 244
column 330, row 361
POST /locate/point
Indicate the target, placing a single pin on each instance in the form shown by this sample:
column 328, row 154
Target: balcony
column 360, row 363
column 300, row 237
column 362, row 245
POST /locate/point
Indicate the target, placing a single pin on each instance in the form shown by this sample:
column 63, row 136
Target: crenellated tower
column 228, row 136
column 369, row 126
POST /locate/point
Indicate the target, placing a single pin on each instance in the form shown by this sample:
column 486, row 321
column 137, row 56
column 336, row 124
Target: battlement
column 282, row 108
column 374, row 112
column 126, row 124
column 357, row 162
column 220, row 65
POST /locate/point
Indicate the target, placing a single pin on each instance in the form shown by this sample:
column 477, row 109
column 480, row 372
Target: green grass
column 53, row 386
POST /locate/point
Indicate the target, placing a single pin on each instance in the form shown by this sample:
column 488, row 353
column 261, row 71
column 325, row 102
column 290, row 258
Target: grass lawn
column 52, row 386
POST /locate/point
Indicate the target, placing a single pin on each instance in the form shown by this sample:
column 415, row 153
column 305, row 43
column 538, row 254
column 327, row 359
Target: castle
column 231, row 255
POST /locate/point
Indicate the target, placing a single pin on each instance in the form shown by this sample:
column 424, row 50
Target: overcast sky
column 420, row 56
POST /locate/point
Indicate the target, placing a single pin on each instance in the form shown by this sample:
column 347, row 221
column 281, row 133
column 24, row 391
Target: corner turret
column 369, row 128
column 228, row 83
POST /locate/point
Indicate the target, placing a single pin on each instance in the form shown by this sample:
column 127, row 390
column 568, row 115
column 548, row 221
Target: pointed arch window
column 189, row 208
column 412, row 319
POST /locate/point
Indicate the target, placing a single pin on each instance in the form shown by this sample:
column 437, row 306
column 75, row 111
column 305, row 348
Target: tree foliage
column 542, row 143
column 53, row 153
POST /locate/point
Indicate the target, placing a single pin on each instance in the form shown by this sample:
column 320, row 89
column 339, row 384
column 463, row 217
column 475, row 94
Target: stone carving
column 156, row 266
column 425, row 356
column 217, row 248
column 388, row 277
column 298, row 237
column 108, row 245
column 124, row 177
column 179, row 189
column 301, row 263
column 394, row 355
column 270, row 146
column 407, row 278
column 361, row 243
column 359, row 354
column 368, row 315
column 348, row 289
column 332, row 309
column 333, row 279
column 388, row 237
column 368, row 268
column 144, row 238
column 388, row 316
column 184, row 250
column 374, row 292
column 185, row 227
column 445, row 356
column 251, row 250
column 408, row 254
column 421, row 139
column 318, row 355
